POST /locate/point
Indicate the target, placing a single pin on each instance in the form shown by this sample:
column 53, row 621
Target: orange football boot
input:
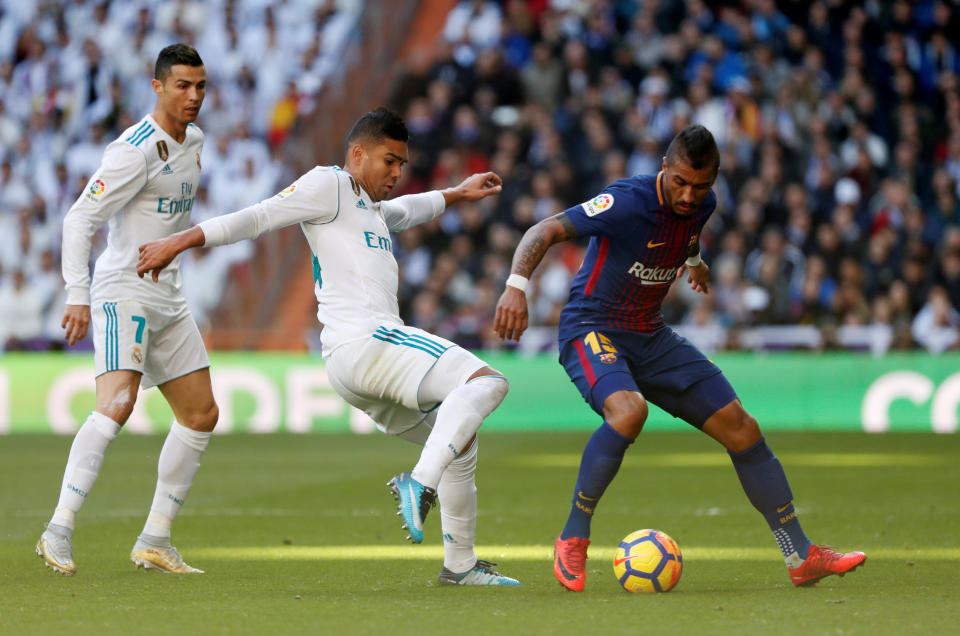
column 569, row 562
column 821, row 562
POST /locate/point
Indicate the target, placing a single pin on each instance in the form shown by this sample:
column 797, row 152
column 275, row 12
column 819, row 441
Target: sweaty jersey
column 637, row 245
column 354, row 271
column 144, row 188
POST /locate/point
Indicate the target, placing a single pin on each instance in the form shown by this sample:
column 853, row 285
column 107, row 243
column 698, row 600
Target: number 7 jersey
column 144, row 190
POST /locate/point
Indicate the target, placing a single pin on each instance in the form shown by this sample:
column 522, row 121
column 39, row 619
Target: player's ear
column 157, row 86
column 663, row 163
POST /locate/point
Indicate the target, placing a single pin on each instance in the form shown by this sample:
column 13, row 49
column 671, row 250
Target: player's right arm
column 511, row 318
column 122, row 173
column 312, row 198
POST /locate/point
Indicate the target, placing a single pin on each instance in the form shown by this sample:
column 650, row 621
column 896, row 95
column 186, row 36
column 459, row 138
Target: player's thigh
column 390, row 417
column 597, row 368
column 191, row 398
column 388, row 366
column 694, row 404
column 116, row 394
column 453, row 369
column 733, row 427
column 176, row 346
column 121, row 337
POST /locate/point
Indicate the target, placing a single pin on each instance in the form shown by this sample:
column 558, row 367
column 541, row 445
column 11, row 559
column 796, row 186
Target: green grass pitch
column 298, row 534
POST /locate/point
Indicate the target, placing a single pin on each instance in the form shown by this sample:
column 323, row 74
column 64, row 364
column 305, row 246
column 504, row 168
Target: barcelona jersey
column 637, row 244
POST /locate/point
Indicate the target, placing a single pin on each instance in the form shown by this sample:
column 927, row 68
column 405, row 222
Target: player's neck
column 353, row 172
column 174, row 128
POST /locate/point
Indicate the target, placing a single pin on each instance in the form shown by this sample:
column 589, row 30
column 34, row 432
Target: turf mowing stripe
column 520, row 553
column 710, row 460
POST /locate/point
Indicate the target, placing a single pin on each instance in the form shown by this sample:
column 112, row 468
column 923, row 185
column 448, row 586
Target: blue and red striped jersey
column 637, row 244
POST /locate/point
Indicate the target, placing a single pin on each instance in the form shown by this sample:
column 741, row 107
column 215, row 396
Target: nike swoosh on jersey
column 651, row 244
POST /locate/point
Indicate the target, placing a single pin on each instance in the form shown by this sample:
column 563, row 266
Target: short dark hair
column 378, row 125
column 696, row 146
column 175, row 54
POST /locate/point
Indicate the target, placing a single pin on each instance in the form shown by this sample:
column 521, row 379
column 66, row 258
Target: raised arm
column 312, row 198
column 511, row 317
column 413, row 209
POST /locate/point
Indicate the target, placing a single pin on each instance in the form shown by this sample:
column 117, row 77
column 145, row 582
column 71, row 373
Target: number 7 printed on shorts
column 141, row 323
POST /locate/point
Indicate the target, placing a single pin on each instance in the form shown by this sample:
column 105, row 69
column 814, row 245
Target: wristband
column 518, row 281
column 693, row 261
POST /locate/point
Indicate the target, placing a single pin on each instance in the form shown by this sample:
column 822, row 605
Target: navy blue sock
column 765, row 483
column 598, row 466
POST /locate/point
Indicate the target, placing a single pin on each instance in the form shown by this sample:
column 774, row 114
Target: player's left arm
column 698, row 272
column 413, row 209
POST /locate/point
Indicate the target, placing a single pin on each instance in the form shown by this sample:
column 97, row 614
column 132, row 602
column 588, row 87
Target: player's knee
column 493, row 382
column 744, row 431
column 118, row 409
column 203, row 420
column 626, row 412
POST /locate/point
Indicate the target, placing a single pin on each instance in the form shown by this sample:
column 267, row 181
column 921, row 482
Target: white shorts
column 161, row 343
column 382, row 375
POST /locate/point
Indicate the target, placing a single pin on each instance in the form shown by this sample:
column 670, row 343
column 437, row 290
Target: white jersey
column 144, row 188
column 354, row 271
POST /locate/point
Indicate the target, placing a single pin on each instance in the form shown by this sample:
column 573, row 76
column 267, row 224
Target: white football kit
column 374, row 361
column 144, row 189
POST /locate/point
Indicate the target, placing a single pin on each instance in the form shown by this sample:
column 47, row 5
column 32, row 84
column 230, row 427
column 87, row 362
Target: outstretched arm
column 156, row 255
column 511, row 317
column 413, row 209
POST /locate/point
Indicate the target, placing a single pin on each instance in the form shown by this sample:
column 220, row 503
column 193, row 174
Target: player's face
column 686, row 188
column 382, row 166
column 181, row 93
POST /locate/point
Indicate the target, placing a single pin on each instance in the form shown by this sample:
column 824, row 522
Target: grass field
column 298, row 535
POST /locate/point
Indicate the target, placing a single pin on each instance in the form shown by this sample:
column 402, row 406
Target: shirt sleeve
column 412, row 209
column 313, row 198
column 610, row 213
column 121, row 175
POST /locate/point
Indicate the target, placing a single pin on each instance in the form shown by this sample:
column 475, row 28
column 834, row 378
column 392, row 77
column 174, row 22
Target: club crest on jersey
column 162, row 150
column 136, row 355
column 598, row 204
column 608, row 358
column 284, row 193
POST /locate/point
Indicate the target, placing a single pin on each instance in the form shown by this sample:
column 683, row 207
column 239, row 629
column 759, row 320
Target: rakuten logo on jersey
column 652, row 275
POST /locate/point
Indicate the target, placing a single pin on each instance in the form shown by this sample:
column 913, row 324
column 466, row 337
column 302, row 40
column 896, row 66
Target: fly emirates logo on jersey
column 652, row 275
column 171, row 205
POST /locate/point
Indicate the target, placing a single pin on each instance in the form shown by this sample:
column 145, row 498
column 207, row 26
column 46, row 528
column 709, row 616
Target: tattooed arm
column 511, row 317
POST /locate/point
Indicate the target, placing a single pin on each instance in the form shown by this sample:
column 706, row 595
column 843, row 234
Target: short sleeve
column 610, row 213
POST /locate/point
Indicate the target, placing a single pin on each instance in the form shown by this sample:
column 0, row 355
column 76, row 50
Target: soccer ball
column 647, row 561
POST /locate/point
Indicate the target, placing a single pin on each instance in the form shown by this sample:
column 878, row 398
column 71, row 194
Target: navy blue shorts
column 664, row 367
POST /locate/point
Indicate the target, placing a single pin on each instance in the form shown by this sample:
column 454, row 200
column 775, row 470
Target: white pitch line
column 520, row 553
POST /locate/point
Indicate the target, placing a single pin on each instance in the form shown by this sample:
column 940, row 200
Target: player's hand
column 698, row 277
column 478, row 186
column 76, row 320
column 154, row 256
column 511, row 317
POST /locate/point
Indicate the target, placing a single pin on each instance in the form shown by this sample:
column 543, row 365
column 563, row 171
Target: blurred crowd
column 839, row 129
column 838, row 122
column 75, row 74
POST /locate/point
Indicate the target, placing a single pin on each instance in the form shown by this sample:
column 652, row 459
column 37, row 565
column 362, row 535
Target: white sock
column 457, row 493
column 458, row 419
column 176, row 470
column 83, row 466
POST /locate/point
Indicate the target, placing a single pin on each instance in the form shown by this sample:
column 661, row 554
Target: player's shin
column 458, row 419
column 176, row 470
column 599, row 464
column 83, row 466
column 457, row 493
column 766, row 486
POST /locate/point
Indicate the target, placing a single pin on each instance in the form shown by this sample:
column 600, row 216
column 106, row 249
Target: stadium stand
column 839, row 122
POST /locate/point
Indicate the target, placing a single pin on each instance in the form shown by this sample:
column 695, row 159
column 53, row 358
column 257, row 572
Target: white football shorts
column 381, row 375
column 162, row 343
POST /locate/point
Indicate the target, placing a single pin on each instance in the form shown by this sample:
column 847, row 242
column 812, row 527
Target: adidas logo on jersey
column 361, row 204
column 166, row 169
